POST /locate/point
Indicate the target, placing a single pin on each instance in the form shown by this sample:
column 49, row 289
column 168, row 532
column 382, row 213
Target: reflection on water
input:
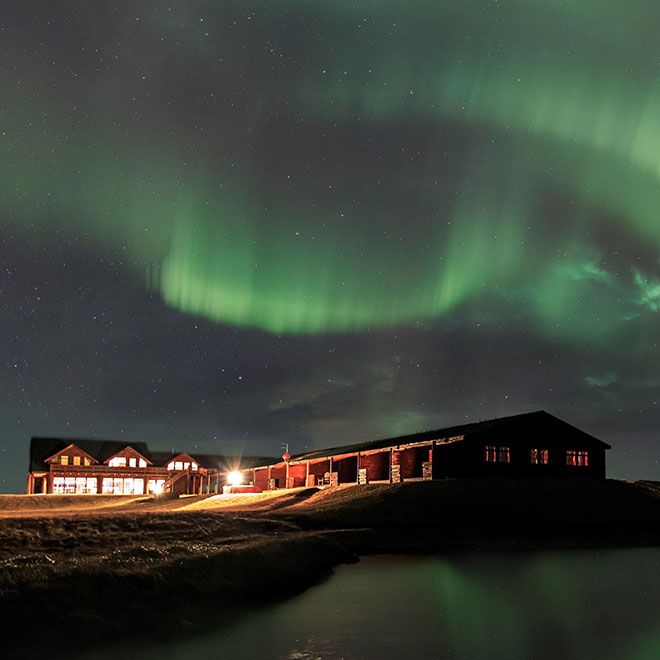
column 595, row 604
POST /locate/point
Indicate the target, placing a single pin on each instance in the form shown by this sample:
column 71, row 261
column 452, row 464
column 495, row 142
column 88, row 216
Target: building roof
column 536, row 419
column 102, row 450
column 220, row 462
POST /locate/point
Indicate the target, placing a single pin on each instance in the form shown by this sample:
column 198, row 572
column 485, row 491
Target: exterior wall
column 298, row 475
column 261, row 478
column 278, row 475
column 465, row 456
column 181, row 482
column 557, row 438
column 510, row 444
column 377, row 465
column 410, row 461
column 318, row 470
column 346, row 469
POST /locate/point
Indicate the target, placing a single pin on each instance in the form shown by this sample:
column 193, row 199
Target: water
column 591, row 604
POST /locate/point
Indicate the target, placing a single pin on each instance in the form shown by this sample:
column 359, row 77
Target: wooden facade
column 90, row 467
column 533, row 444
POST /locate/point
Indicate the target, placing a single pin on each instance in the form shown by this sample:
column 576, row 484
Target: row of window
column 74, row 460
column 494, row 454
column 182, row 465
column 109, row 486
column 124, row 461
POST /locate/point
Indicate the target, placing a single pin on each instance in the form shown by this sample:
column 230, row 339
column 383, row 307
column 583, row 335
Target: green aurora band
column 392, row 166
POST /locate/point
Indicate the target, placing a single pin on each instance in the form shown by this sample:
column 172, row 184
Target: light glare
column 235, row 478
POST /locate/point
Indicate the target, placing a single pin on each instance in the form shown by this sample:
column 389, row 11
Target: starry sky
column 226, row 226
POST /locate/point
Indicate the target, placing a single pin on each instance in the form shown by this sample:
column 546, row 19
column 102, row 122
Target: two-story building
column 90, row 467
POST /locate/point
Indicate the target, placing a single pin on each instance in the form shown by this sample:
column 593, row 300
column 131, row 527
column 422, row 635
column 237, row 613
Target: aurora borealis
column 239, row 226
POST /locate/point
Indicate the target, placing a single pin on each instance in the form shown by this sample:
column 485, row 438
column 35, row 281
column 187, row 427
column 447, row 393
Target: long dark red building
column 535, row 444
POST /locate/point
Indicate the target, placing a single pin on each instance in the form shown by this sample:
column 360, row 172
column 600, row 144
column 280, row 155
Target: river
column 490, row 606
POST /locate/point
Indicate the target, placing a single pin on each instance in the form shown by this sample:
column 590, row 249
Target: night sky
column 226, row 226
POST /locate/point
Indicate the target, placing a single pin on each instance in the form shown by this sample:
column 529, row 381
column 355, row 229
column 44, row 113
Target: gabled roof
column 536, row 419
column 130, row 452
column 69, row 447
column 104, row 450
column 183, row 456
column 215, row 461
column 100, row 450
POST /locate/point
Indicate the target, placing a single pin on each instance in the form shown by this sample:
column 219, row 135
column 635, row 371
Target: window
column 180, row 465
column 64, row 460
column 579, row 458
column 503, row 455
column 132, row 462
column 86, row 461
column 490, row 454
column 125, row 486
column 133, row 486
column 117, row 461
column 74, row 485
column 64, row 485
column 538, row 456
column 143, row 463
column 76, row 460
column 85, row 485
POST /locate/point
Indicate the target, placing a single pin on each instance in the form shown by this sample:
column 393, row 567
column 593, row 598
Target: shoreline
column 130, row 571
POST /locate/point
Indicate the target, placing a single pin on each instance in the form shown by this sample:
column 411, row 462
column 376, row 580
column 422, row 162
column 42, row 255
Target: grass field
column 143, row 565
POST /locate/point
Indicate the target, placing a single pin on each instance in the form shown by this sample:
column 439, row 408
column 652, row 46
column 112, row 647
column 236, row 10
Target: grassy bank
column 133, row 566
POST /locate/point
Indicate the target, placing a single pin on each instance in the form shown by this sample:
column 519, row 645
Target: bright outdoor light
column 234, row 478
column 157, row 489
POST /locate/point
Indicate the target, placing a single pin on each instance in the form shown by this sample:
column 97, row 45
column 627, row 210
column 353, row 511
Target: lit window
column 490, row 454
column 503, row 455
column 117, row 461
column 186, row 466
column 539, row 456
column 64, row 460
column 133, row 486
column 143, row 463
column 86, row 461
column 170, row 466
column 70, row 485
column 194, row 466
column 58, row 485
column 580, row 458
column 76, row 460
column 132, row 462
column 178, row 465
